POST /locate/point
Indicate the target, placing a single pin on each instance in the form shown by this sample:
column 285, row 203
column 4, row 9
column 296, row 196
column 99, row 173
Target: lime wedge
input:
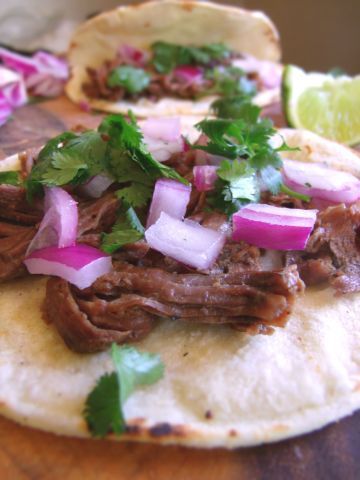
column 322, row 103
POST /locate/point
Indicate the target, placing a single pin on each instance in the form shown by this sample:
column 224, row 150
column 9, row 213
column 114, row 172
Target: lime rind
column 327, row 105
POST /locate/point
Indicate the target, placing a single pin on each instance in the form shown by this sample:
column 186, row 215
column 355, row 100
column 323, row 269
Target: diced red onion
column 321, row 182
column 162, row 137
column 185, row 241
column 167, row 129
column 162, row 151
column 205, row 177
column 80, row 264
column 169, row 196
column 59, row 225
column 188, row 73
column 275, row 228
column 132, row 55
column 96, row 186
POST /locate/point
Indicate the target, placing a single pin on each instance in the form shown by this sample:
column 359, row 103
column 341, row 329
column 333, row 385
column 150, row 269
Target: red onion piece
column 188, row 73
column 274, row 228
column 44, row 73
column 205, row 177
column 162, row 137
column 166, row 128
column 19, row 63
column 185, row 241
column 59, row 225
column 96, row 186
column 80, row 264
column 169, row 196
column 133, row 56
column 321, row 182
column 12, row 88
column 51, row 64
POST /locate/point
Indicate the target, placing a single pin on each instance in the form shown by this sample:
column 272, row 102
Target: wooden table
column 27, row 454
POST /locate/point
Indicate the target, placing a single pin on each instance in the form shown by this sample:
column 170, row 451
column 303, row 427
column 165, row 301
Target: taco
column 227, row 381
column 173, row 58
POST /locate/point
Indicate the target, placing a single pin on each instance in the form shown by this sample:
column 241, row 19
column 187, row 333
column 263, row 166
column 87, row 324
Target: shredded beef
column 333, row 250
column 78, row 332
column 128, row 300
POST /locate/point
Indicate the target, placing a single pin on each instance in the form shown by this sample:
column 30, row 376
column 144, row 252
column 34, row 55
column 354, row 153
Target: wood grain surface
column 27, row 454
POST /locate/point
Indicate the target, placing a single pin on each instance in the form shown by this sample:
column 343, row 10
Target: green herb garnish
column 103, row 410
column 167, row 56
column 242, row 137
column 229, row 81
column 127, row 229
column 133, row 80
column 10, row 178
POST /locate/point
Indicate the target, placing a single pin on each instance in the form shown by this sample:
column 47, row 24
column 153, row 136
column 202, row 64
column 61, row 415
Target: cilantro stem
column 291, row 193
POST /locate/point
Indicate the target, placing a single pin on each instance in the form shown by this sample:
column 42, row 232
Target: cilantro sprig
column 167, row 56
column 10, row 178
column 115, row 149
column 127, row 229
column 103, row 410
column 229, row 81
column 243, row 139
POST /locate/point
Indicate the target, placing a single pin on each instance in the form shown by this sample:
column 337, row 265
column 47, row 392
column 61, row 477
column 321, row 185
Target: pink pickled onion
column 59, row 225
column 79, row 264
column 205, row 177
column 169, row 196
column 274, row 228
column 96, row 186
column 188, row 73
column 321, row 182
column 185, row 241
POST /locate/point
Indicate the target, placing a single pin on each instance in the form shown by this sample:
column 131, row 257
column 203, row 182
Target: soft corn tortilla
column 221, row 387
column 181, row 22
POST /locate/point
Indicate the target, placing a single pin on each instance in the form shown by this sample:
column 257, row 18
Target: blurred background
column 315, row 34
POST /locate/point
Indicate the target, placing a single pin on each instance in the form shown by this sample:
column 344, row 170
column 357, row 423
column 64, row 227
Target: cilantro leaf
column 135, row 368
column 67, row 158
column 236, row 106
column 167, row 56
column 237, row 186
column 136, row 194
column 103, row 410
column 66, row 166
column 127, row 229
column 127, row 147
column 10, row 178
column 132, row 79
column 242, row 134
column 230, row 81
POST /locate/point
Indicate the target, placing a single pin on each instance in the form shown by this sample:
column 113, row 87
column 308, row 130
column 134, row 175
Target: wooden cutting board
column 28, row 454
